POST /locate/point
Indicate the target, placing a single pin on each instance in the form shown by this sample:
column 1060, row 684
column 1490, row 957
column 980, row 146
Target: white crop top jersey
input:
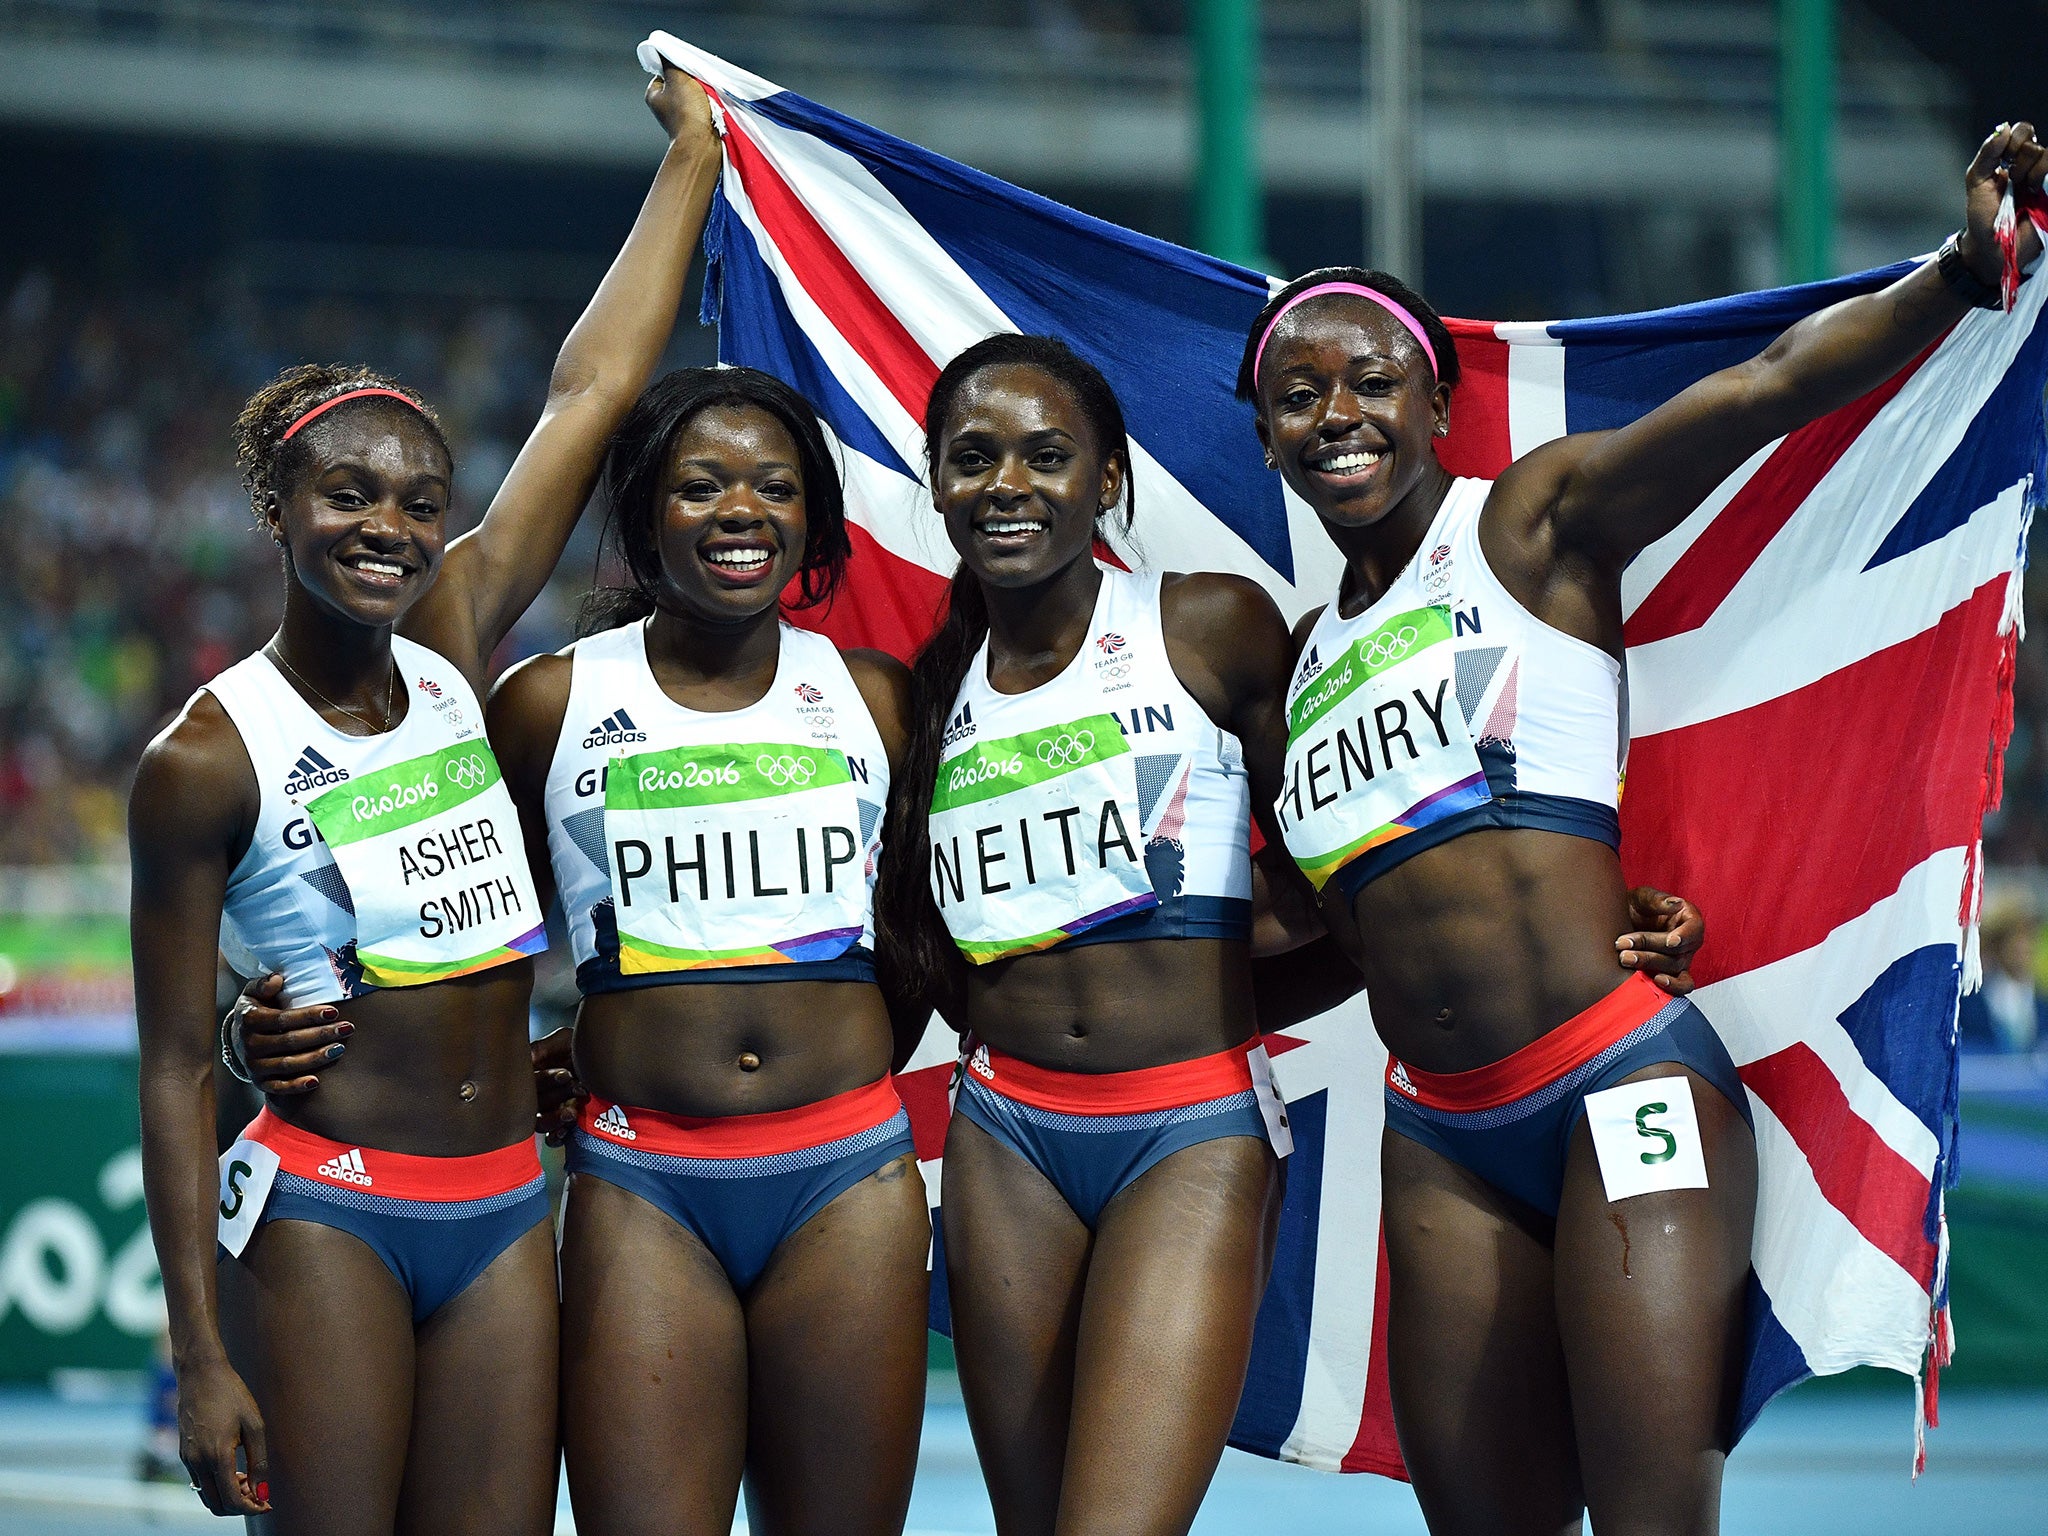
column 1038, row 805
column 377, row 861
column 716, row 846
column 1443, row 707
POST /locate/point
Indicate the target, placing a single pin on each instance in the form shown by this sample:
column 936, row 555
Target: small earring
column 1271, row 462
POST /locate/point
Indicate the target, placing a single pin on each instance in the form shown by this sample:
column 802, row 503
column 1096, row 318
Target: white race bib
column 1037, row 837
column 735, row 854
column 1647, row 1137
column 1377, row 746
column 247, row 1170
column 435, row 866
column 1271, row 1104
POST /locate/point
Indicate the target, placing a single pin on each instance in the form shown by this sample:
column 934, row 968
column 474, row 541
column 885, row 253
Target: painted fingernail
column 335, row 1050
column 263, row 1493
column 344, row 1030
column 328, row 1015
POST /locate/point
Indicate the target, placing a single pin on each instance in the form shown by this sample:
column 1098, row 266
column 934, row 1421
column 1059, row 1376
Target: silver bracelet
column 227, row 1052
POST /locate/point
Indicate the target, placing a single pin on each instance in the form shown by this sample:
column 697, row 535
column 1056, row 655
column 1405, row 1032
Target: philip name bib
column 737, row 854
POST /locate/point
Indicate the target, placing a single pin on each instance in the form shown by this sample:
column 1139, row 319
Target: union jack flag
column 1820, row 664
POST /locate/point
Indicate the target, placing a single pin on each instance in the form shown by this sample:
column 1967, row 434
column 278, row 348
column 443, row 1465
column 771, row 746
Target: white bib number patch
column 1271, row 1105
column 1647, row 1137
column 247, row 1170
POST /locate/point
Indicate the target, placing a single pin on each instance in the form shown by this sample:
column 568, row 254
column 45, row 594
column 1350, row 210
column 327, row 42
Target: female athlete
column 375, row 1348
column 1557, row 1340
column 1068, row 877
column 744, row 1247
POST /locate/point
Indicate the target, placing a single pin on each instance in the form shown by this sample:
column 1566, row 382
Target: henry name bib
column 735, row 854
column 430, row 850
column 1377, row 746
column 1035, row 838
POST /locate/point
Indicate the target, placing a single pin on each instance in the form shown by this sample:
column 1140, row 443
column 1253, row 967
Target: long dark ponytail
column 917, row 953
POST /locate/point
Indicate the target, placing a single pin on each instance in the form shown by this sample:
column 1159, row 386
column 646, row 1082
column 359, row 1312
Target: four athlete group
column 775, row 859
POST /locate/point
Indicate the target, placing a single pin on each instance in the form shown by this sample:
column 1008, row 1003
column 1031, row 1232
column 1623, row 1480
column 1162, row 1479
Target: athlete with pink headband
column 1569, row 1171
column 362, row 1294
column 1068, row 876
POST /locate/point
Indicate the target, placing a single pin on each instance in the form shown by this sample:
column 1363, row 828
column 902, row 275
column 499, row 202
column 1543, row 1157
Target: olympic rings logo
column 786, row 771
column 1066, row 749
column 1389, row 646
column 467, row 772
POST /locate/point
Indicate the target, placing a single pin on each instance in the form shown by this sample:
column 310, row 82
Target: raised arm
column 494, row 571
column 188, row 818
column 1609, row 494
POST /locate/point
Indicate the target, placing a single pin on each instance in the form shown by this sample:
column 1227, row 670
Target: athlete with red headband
column 362, row 1293
column 1570, row 1173
column 1068, row 875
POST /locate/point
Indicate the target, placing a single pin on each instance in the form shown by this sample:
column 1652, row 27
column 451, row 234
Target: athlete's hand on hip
column 284, row 1048
column 554, row 1083
column 1669, row 932
column 2014, row 157
column 681, row 107
column 216, row 1415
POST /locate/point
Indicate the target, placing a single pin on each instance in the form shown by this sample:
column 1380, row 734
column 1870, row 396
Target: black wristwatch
column 1965, row 284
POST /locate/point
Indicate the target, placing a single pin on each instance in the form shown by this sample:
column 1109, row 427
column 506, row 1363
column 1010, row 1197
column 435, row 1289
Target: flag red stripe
column 1881, row 1193
column 924, row 1095
column 1825, row 798
column 1376, row 1448
column 867, row 324
column 1708, row 571
column 1478, row 442
column 886, row 603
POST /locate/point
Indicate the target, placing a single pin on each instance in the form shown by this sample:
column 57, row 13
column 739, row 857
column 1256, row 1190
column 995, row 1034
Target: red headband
column 354, row 394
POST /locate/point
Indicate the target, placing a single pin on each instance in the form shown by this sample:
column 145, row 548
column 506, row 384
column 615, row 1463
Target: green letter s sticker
column 237, row 1171
column 1656, row 1132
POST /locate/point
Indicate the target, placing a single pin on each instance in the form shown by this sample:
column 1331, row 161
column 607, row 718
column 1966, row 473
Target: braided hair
column 268, row 460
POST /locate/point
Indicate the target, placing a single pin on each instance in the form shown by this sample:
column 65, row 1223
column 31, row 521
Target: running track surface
column 1819, row 1462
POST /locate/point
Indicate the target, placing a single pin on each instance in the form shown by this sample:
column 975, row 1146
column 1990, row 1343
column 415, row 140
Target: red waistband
column 399, row 1175
column 779, row 1130
column 1543, row 1060
column 1115, row 1093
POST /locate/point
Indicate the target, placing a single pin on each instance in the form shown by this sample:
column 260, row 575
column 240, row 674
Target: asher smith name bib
column 431, row 852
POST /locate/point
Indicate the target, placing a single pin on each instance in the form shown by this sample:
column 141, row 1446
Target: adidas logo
column 1399, row 1078
column 613, row 1123
column 960, row 727
column 311, row 771
column 614, row 730
column 1309, row 667
column 978, row 1064
column 347, row 1167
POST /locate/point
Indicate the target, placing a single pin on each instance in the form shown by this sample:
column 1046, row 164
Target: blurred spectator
column 2007, row 1013
column 131, row 571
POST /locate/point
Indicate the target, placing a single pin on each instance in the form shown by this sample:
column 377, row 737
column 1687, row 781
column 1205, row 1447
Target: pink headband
column 354, row 394
column 1414, row 326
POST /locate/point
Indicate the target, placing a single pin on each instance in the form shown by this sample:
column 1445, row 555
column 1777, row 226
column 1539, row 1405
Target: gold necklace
column 277, row 651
